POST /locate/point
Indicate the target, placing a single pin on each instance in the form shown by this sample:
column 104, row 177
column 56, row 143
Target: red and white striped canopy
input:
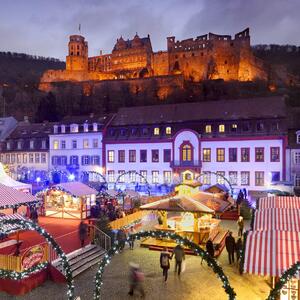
column 277, row 219
column 9, row 228
column 279, row 202
column 271, row 252
column 11, row 197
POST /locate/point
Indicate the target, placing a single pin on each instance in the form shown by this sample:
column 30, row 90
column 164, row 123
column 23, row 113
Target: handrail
column 107, row 238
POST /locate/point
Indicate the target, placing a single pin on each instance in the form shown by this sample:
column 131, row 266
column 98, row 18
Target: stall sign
column 290, row 290
column 33, row 257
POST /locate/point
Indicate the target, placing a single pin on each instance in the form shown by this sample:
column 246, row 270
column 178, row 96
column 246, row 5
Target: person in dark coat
column 165, row 262
column 238, row 249
column 121, row 237
column 230, row 247
column 179, row 257
column 82, row 233
column 209, row 249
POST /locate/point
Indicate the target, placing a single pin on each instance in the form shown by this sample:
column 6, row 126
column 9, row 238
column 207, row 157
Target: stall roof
column 178, row 203
column 76, row 188
column 269, row 253
column 12, row 197
column 8, row 181
column 9, row 228
column 279, row 202
column 217, row 188
column 213, row 201
column 277, row 219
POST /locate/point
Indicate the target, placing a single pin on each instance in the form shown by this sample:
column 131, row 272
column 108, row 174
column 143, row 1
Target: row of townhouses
column 247, row 142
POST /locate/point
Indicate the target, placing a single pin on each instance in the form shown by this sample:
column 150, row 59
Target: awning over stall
column 12, row 197
column 9, row 228
column 271, row 252
column 279, row 202
column 277, row 219
column 75, row 188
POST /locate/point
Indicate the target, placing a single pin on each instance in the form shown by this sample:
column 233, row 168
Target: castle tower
column 77, row 59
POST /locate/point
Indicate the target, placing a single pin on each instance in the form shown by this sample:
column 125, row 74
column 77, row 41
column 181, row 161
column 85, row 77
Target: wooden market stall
column 189, row 217
column 70, row 200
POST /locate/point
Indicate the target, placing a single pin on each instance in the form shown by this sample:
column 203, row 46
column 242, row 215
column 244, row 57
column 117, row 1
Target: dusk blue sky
column 42, row 27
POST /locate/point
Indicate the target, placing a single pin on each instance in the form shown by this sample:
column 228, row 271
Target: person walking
column 238, row 249
column 209, row 249
column 165, row 262
column 82, row 233
column 230, row 247
column 240, row 223
column 136, row 278
column 121, row 237
column 179, row 257
column 131, row 238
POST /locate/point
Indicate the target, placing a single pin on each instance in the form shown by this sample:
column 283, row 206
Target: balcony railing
column 179, row 163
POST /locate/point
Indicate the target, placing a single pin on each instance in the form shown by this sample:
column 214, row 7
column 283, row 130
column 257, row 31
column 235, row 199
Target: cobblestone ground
column 197, row 282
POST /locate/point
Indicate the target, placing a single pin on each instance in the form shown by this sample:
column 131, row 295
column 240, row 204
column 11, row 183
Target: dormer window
column 234, row 127
column 168, row 130
column 221, row 128
column 31, row 144
column 8, row 145
column 19, row 145
column 63, row 128
column 55, row 129
column 44, row 145
column 95, row 127
column 85, row 127
column 259, row 126
column 74, row 128
column 207, row 128
column 156, row 131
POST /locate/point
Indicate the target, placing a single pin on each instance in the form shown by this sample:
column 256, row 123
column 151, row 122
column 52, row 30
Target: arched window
column 186, row 152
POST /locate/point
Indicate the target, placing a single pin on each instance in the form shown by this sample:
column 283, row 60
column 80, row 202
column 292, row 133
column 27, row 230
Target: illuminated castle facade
column 209, row 56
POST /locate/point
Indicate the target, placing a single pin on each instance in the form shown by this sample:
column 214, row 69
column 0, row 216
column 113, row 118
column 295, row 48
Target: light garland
column 65, row 263
column 212, row 263
column 285, row 277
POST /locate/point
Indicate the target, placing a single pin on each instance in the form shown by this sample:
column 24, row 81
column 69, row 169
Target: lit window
column 259, row 154
column 111, row 175
column 208, row 129
column 168, row 130
column 221, row 128
column 156, row 131
column 206, row 154
column 245, row 178
column 233, row 177
column 234, row 127
column 220, row 177
column 143, row 176
column 132, row 156
column 74, row 128
column 55, row 145
column 155, row 177
column 186, row 152
column 167, row 176
column 132, row 176
column 220, row 154
column 85, row 143
column 206, row 178
column 85, row 127
column 259, row 178
column 111, row 155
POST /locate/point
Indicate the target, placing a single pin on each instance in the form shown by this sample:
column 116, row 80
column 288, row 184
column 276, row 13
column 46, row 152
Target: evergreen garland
column 212, row 263
column 65, row 263
column 242, row 255
column 285, row 277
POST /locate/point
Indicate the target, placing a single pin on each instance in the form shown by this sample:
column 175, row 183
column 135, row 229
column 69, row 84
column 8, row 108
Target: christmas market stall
column 274, row 244
column 185, row 216
column 69, row 200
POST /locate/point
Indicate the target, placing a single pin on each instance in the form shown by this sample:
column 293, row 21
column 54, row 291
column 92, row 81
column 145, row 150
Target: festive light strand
column 212, row 263
column 25, row 224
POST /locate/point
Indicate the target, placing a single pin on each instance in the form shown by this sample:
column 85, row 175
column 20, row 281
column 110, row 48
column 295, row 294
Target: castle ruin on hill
column 206, row 57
